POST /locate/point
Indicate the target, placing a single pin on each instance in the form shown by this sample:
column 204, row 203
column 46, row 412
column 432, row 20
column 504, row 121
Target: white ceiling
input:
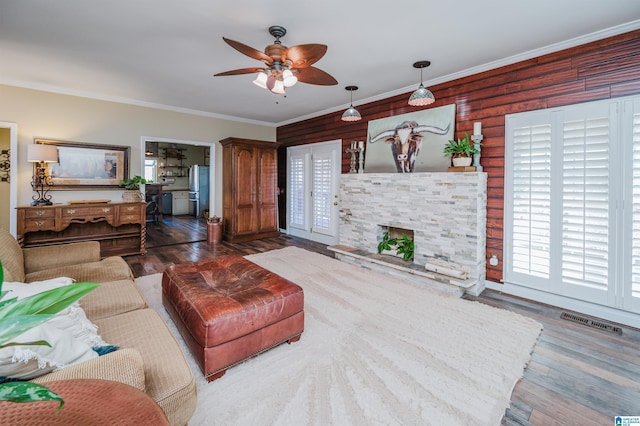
column 164, row 52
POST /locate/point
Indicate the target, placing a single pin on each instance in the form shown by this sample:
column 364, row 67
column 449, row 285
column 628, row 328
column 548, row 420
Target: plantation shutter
column 531, row 210
column 635, row 202
column 585, row 202
column 297, row 191
column 322, row 179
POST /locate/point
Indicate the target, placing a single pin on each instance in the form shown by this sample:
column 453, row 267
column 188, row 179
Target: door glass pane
column 322, row 172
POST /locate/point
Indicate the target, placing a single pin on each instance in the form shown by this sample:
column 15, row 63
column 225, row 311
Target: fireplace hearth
column 444, row 212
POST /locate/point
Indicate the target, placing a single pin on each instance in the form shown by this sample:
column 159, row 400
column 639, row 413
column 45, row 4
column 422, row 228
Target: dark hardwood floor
column 577, row 375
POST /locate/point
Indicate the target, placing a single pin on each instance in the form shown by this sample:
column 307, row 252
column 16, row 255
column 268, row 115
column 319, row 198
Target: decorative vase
column 462, row 161
column 132, row 196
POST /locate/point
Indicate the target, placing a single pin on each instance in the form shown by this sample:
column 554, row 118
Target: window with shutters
column 572, row 201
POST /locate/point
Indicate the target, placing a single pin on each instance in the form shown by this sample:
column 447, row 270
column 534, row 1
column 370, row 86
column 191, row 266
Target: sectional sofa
column 149, row 357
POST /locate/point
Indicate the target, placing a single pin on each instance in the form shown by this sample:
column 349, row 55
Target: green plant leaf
column 14, row 326
column 28, row 392
column 34, row 343
column 48, row 302
column 1, row 279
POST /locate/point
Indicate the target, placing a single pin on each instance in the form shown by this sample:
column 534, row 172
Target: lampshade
column 288, row 78
column 261, row 80
column 351, row 114
column 38, row 152
column 422, row 96
column 278, row 87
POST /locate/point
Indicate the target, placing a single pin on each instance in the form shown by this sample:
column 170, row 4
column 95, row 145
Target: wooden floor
column 577, row 375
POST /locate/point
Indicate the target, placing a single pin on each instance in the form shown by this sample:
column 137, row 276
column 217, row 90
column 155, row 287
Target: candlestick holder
column 354, row 151
column 477, row 141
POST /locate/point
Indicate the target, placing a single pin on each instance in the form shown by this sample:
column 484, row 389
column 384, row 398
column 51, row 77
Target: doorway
column 167, row 162
column 9, row 175
column 313, row 183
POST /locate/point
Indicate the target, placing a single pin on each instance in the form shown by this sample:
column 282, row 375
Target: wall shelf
column 171, row 162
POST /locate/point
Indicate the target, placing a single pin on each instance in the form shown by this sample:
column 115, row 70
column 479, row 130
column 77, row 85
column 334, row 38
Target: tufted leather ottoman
column 229, row 309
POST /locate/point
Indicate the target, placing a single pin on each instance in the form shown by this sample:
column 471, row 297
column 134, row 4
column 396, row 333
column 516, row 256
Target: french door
column 312, row 186
column 572, row 202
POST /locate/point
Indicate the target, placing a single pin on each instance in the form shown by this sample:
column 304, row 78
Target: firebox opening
column 394, row 232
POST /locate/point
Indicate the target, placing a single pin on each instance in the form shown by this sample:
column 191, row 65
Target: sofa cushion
column 169, row 380
column 41, row 258
column 108, row 269
column 124, row 366
column 11, row 257
column 112, row 298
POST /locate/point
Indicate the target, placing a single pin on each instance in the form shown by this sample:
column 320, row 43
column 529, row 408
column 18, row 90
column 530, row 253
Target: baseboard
column 618, row 316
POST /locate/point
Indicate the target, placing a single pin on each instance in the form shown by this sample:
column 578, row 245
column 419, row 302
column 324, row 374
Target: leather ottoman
column 229, row 309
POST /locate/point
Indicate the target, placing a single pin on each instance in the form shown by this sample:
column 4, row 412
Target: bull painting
column 406, row 142
column 411, row 142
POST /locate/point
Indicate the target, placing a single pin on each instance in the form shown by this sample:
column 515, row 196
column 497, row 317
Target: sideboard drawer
column 33, row 225
column 39, row 214
column 106, row 211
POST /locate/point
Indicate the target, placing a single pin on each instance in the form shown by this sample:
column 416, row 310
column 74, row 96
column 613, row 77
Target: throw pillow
column 70, row 334
column 72, row 319
column 27, row 362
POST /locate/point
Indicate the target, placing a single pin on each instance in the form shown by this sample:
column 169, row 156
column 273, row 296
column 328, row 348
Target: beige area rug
column 375, row 351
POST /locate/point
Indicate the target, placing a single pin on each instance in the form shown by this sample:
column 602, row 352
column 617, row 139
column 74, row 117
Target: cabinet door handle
column 71, row 211
column 130, row 217
column 130, row 208
column 39, row 223
column 106, row 210
column 40, row 213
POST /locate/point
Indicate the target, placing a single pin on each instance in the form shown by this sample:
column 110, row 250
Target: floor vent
column 591, row 323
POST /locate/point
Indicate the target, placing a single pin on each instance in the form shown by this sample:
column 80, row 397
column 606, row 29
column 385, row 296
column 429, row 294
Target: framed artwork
column 87, row 166
column 410, row 142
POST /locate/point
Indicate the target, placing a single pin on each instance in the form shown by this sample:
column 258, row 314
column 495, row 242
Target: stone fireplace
column 444, row 213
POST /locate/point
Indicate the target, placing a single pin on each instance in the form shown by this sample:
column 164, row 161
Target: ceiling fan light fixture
column 422, row 96
column 288, row 78
column 278, row 87
column 261, row 80
column 351, row 114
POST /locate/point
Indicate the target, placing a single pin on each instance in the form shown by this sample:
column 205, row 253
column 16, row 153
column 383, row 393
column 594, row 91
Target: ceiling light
column 288, row 78
column 261, row 80
column 351, row 114
column 422, row 96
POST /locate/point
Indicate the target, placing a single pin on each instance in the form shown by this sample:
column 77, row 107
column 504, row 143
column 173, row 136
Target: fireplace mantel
column 446, row 211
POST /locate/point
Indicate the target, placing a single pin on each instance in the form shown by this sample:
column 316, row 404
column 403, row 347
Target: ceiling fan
column 284, row 66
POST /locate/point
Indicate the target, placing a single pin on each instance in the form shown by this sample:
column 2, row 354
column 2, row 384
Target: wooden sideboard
column 119, row 227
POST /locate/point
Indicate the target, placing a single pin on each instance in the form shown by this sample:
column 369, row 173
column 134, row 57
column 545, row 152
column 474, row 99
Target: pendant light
column 351, row 114
column 422, row 96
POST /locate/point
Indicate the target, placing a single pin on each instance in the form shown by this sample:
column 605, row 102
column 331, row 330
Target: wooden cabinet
column 119, row 227
column 249, row 189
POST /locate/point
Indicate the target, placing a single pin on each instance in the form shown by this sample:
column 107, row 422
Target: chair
column 152, row 209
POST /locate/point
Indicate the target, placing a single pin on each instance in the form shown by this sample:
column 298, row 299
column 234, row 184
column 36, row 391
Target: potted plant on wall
column 132, row 188
column 461, row 151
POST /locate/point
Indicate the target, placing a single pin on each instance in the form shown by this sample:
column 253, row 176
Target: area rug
column 375, row 351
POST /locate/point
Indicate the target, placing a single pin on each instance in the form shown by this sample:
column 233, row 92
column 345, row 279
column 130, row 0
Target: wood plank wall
column 602, row 69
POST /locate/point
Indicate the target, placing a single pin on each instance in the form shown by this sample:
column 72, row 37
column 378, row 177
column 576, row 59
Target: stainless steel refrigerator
column 198, row 190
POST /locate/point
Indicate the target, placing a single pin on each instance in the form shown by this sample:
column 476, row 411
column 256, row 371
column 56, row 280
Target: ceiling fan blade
column 249, row 51
column 305, row 55
column 239, row 71
column 313, row 75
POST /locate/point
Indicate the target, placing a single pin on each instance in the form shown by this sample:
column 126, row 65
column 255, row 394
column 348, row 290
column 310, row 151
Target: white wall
column 71, row 118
